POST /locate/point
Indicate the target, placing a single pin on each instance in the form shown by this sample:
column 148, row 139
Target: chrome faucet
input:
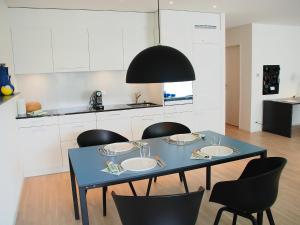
column 137, row 95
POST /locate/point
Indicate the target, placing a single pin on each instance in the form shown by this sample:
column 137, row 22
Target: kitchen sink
column 141, row 105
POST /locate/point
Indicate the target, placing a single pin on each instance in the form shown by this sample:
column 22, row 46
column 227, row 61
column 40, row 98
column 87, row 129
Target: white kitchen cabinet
column 116, row 121
column 135, row 40
column 176, row 31
column 209, row 120
column 32, row 50
column 139, row 124
column 65, row 146
column 206, row 27
column 70, row 132
column 185, row 118
column 106, row 49
column 40, row 147
column 208, row 86
column 70, row 49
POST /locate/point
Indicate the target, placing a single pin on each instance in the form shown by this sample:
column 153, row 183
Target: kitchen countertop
column 4, row 99
column 86, row 109
column 292, row 101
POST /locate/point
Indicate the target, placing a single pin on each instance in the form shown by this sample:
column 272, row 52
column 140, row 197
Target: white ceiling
column 238, row 12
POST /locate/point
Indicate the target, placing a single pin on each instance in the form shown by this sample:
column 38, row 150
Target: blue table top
column 88, row 162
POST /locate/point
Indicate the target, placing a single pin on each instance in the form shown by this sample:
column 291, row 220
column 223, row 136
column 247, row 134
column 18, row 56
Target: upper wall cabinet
column 135, row 40
column 70, row 49
column 32, row 50
column 106, row 49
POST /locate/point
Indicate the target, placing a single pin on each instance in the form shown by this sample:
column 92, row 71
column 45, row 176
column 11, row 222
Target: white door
column 32, row 50
column 106, row 49
column 232, row 85
column 70, row 50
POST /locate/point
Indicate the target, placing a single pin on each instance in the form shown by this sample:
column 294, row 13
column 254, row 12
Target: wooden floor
column 46, row 200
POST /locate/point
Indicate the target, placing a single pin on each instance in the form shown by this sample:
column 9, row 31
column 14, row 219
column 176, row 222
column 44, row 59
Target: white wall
column 59, row 90
column 242, row 36
column 11, row 171
column 10, row 166
column 272, row 45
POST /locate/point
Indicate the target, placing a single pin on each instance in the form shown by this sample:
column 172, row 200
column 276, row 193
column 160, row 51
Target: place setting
column 214, row 149
column 184, row 139
column 135, row 164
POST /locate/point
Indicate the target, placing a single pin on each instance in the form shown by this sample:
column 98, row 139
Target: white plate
column 139, row 164
column 217, row 150
column 183, row 137
column 119, row 147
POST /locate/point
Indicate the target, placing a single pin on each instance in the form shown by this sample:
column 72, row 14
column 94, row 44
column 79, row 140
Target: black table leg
column 83, row 205
column 208, row 178
column 74, row 193
column 149, row 186
column 263, row 155
column 132, row 188
column 104, row 191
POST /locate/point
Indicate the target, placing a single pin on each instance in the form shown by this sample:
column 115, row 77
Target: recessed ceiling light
column 214, row 6
column 171, row 2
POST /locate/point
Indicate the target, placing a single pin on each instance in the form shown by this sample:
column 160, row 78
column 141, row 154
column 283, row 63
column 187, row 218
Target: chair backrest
column 180, row 209
column 263, row 176
column 99, row 137
column 257, row 188
column 164, row 129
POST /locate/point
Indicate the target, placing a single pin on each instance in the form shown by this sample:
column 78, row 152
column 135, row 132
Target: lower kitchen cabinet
column 70, row 132
column 120, row 125
column 139, row 124
column 65, row 146
column 40, row 147
column 185, row 118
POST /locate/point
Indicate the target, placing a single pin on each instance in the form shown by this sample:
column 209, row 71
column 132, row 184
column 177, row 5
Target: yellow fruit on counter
column 6, row 90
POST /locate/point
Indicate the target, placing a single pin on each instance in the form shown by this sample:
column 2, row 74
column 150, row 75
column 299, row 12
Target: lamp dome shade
column 159, row 64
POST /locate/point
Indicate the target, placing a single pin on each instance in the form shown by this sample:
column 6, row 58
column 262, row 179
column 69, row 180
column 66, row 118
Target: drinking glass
column 145, row 150
column 216, row 140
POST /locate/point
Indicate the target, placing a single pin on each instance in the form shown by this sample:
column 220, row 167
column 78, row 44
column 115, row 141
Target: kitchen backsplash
column 60, row 90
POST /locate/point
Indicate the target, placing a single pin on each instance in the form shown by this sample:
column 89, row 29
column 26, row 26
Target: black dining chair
column 101, row 137
column 254, row 192
column 179, row 209
column 161, row 130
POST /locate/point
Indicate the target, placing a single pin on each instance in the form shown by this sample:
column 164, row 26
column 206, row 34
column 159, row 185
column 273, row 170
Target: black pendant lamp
column 160, row 64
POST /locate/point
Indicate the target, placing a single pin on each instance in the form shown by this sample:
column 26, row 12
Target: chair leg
column 184, row 182
column 260, row 218
column 270, row 217
column 219, row 214
column 253, row 220
column 234, row 219
column 104, row 190
column 149, row 186
column 180, row 177
column 132, row 188
column 155, row 179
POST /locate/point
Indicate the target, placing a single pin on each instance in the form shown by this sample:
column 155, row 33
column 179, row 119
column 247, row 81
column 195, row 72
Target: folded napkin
column 197, row 154
column 113, row 168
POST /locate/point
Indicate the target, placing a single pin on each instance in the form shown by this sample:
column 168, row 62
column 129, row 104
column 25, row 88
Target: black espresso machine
column 96, row 100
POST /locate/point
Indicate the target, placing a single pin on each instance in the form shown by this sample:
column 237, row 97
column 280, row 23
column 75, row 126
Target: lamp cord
column 158, row 21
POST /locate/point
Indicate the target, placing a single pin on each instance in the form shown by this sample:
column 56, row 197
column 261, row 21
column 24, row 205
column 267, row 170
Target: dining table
column 86, row 164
